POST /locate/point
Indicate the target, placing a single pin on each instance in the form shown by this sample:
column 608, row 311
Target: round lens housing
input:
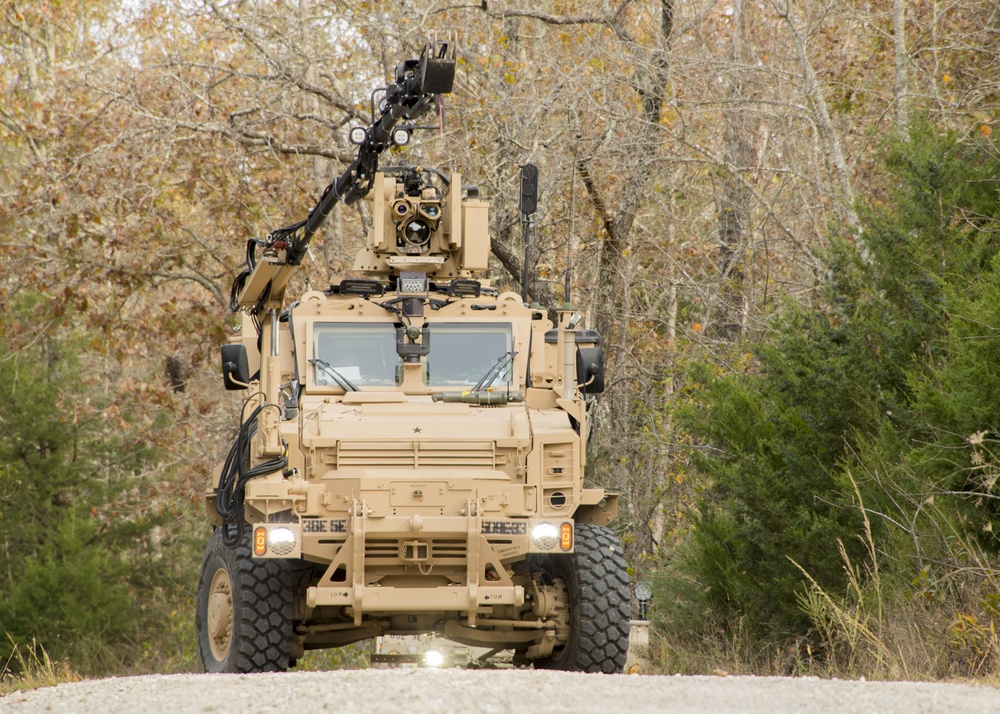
column 281, row 541
column 545, row 536
column 416, row 233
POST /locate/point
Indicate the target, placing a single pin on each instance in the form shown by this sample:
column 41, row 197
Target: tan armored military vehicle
column 412, row 445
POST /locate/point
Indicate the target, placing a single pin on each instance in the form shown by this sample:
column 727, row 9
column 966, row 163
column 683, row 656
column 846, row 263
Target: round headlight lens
column 281, row 541
column 545, row 536
column 433, row 658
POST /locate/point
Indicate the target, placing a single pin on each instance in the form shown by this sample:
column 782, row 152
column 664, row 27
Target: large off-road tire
column 244, row 614
column 598, row 588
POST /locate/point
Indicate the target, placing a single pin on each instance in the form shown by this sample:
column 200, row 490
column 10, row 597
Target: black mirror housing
column 589, row 362
column 590, row 369
column 235, row 367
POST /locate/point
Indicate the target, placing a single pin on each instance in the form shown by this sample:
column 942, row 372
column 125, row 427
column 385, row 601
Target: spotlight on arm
column 401, row 136
column 358, row 135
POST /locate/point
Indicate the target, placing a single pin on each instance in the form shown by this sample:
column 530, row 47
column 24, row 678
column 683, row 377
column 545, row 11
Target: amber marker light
column 260, row 540
column 566, row 536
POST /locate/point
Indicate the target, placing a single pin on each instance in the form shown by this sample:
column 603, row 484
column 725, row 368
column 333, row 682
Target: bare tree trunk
column 735, row 200
column 821, row 114
column 659, row 521
column 650, row 84
column 899, row 41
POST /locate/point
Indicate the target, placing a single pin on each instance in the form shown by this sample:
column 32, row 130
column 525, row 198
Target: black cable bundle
column 235, row 474
column 240, row 280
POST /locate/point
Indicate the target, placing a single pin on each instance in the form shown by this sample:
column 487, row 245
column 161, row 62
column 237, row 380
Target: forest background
column 781, row 214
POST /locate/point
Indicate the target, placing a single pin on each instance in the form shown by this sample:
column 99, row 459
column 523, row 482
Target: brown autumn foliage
column 695, row 157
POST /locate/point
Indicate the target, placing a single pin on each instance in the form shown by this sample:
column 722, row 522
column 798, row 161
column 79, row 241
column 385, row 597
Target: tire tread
column 262, row 600
column 602, row 610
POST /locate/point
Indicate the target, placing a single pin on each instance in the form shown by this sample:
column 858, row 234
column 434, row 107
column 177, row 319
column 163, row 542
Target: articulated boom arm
column 417, row 83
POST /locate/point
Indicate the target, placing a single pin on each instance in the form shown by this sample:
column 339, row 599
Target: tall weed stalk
column 31, row 668
column 936, row 616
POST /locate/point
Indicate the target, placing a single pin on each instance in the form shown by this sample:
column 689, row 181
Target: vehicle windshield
column 355, row 354
column 462, row 353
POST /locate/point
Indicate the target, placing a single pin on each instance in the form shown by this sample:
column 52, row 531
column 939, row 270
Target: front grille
column 448, row 549
column 441, row 549
column 416, row 454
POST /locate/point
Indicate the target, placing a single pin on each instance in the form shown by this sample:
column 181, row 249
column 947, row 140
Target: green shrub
column 80, row 578
column 887, row 375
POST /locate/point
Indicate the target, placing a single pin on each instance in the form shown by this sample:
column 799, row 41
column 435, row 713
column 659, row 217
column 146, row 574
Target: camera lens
column 416, row 232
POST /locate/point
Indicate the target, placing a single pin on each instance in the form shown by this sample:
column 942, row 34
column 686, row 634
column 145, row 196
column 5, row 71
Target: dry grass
column 31, row 668
column 918, row 637
column 931, row 618
column 943, row 624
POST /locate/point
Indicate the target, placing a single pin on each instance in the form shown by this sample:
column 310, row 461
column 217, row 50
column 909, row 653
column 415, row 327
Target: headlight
column 281, row 541
column 433, row 658
column 545, row 536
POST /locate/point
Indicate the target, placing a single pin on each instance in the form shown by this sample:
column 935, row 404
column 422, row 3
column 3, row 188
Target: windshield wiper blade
column 342, row 381
column 494, row 371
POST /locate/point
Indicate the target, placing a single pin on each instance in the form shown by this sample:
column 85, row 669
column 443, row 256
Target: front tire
column 244, row 610
column 597, row 584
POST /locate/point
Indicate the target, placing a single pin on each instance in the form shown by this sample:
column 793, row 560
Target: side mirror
column 235, row 368
column 590, row 369
column 589, row 362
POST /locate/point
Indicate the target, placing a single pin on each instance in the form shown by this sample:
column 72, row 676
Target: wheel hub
column 551, row 603
column 220, row 614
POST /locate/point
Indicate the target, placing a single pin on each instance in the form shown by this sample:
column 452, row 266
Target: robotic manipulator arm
column 417, row 83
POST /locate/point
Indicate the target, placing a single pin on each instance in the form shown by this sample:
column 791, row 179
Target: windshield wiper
column 495, row 370
column 342, row 381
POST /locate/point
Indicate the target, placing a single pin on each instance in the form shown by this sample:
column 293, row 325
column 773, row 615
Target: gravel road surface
column 501, row 691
